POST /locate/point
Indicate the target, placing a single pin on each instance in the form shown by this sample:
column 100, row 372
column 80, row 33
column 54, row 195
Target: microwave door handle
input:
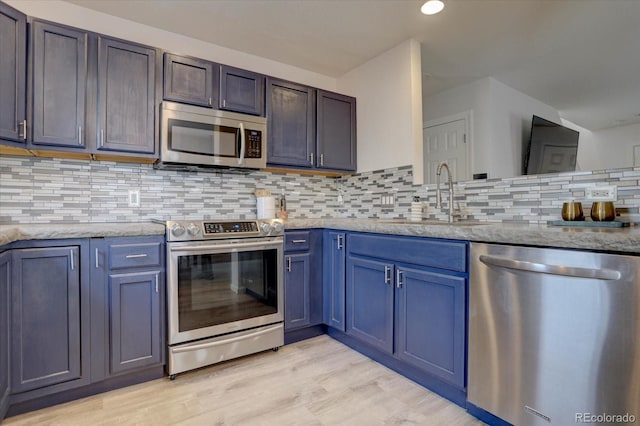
column 242, row 144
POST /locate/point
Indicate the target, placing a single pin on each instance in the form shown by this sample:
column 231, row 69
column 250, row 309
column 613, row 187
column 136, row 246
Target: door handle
column 541, row 268
column 340, row 242
column 156, row 282
column 97, row 265
column 23, row 133
column 311, row 158
column 399, row 275
column 387, row 274
column 73, row 265
column 79, row 135
column 322, row 159
column 288, row 263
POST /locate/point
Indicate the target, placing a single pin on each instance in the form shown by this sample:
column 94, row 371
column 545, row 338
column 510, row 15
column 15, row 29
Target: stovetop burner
column 191, row 230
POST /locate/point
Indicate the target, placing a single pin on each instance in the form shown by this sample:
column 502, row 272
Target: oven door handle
column 222, row 247
column 224, row 341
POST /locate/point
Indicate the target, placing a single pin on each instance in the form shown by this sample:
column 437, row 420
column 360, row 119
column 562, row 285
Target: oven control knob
column 278, row 227
column 193, row 229
column 265, row 228
column 177, row 230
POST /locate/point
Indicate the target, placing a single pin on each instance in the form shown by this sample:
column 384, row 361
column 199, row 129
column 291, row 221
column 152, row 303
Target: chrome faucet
column 439, row 194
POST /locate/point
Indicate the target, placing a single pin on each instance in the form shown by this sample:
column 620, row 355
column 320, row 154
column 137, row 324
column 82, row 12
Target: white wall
column 606, row 149
column 76, row 16
column 388, row 91
column 501, row 122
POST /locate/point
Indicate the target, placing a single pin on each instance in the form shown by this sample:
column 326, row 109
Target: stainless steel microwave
column 199, row 137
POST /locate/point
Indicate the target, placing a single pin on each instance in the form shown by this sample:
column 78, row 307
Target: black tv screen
column 553, row 148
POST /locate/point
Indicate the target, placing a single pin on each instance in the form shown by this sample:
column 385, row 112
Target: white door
column 446, row 142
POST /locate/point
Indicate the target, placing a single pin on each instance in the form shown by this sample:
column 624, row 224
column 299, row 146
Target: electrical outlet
column 602, row 193
column 134, row 198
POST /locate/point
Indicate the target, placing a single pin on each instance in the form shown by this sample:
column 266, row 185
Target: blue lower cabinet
column 5, row 277
column 370, row 302
column 430, row 322
column 334, row 286
column 297, row 298
column 49, row 319
column 135, row 320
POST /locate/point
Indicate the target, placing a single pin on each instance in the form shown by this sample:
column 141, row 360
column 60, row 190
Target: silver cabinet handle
column 210, row 103
column 22, row 125
column 311, row 158
column 79, row 135
column 97, row 265
column 541, row 268
column 73, row 266
column 134, row 256
column 289, row 264
column 298, row 241
column 101, row 137
column 340, row 242
column 399, row 281
column 156, row 282
column 322, row 159
column 387, row 274
column 242, row 144
column 224, row 103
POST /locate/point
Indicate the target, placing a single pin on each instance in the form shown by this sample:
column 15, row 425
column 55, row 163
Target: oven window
column 202, row 138
column 220, row 288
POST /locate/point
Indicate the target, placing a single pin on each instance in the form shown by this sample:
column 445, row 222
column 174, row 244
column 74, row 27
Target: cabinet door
column 5, row 275
column 291, row 121
column 336, row 131
column 334, row 279
column 59, row 85
column 430, row 318
column 188, row 80
column 45, row 319
column 135, row 320
column 370, row 291
column 13, row 51
column 241, row 91
column 126, row 97
column 297, row 296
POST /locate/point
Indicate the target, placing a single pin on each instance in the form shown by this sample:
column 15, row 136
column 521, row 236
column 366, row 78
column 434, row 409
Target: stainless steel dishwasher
column 554, row 335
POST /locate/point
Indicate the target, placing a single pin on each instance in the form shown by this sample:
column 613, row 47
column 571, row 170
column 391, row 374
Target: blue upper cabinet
column 241, row 91
column 126, row 97
column 336, row 131
column 13, row 66
column 291, row 121
column 334, row 289
column 190, row 80
column 59, row 76
column 49, row 319
column 5, row 277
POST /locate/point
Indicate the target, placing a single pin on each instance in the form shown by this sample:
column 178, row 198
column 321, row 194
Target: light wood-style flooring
column 314, row 382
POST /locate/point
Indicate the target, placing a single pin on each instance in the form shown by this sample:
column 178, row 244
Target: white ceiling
column 580, row 56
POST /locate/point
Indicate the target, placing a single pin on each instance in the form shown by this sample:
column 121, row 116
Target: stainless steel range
column 225, row 290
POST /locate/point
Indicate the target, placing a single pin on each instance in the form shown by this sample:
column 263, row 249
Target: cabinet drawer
column 297, row 241
column 135, row 255
column 451, row 255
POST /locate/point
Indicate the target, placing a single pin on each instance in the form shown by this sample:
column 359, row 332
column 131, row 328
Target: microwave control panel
column 253, row 140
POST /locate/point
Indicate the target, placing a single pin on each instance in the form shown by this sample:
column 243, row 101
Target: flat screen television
column 553, row 148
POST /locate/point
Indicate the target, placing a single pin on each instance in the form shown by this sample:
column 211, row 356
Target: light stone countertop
column 19, row 232
column 625, row 240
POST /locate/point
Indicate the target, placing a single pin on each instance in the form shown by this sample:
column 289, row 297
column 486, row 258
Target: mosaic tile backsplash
column 45, row 190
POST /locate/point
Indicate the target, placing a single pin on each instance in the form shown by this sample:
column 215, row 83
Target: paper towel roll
column 266, row 207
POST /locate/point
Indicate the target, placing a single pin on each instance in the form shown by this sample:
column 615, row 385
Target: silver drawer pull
column 298, row 241
column 133, row 256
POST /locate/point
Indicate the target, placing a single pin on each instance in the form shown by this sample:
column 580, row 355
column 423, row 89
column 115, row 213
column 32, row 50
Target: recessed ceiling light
column 432, row 7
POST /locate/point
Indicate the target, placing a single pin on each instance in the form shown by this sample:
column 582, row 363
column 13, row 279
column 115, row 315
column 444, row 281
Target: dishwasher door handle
column 566, row 271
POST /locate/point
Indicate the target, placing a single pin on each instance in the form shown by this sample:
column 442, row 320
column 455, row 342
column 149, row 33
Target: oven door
column 218, row 287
